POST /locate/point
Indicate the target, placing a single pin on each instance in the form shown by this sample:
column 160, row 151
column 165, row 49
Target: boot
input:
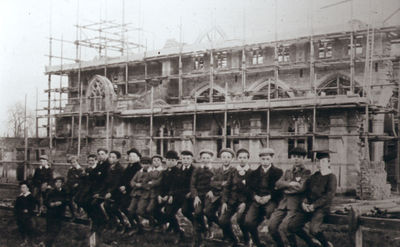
column 307, row 238
column 321, row 238
column 292, row 240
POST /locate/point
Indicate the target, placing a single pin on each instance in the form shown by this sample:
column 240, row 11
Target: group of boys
column 206, row 194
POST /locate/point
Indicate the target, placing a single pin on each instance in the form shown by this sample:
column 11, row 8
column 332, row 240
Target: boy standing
column 23, row 211
column 55, row 203
column 74, row 175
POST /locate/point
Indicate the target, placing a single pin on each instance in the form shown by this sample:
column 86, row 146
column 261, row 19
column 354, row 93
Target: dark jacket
column 97, row 176
column 42, row 175
column 88, row 184
column 219, row 180
column 292, row 197
column 236, row 189
column 24, row 206
column 112, row 179
column 263, row 184
column 56, row 195
column 320, row 190
column 184, row 177
column 74, row 178
column 176, row 182
column 200, row 182
column 169, row 180
column 128, row 174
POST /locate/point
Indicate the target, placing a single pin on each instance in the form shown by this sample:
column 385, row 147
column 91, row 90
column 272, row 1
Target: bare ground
column 75, row 235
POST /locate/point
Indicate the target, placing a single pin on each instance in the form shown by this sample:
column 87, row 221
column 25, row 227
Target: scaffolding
column 104, row 38
column 107, row 38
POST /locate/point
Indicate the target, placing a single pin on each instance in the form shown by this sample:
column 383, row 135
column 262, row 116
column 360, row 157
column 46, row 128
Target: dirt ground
column 75, row 235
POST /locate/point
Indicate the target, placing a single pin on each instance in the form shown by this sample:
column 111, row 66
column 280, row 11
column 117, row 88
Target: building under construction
column 336, row 91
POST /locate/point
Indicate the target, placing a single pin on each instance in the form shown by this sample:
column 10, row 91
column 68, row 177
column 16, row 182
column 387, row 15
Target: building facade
column 336, row 91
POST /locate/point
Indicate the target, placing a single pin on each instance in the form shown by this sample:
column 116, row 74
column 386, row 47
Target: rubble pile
column 373, row 181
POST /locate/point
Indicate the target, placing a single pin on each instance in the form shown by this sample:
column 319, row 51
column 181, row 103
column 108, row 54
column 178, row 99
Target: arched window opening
column 338, row 85
column 205, row 96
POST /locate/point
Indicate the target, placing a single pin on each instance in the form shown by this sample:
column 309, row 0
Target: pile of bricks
column 373, row 181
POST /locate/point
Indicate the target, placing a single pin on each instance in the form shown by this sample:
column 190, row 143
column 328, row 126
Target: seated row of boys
column 205, row 194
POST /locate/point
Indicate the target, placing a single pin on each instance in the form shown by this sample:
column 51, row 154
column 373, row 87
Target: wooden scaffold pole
column 269, row 111
column 211, row 75
column 195, row 123
column 25, row 141
column 151, row 120
column 398, row 135
column 80, row 86
column 49, row 127
column 226, row 115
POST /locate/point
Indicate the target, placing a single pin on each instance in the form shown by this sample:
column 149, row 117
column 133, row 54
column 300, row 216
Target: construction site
column 336, row 90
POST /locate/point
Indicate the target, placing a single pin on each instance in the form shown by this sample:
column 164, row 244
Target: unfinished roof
column 262, row 40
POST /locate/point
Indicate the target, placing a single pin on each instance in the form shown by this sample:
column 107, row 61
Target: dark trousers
column 278, row 224
column 198, row 219
column 211, row 209
column 124, row 203
column 114, row 212
column 188, row 209
column 25, row 226
column 154, row 210
column 151, row 211
column 226, row 224
column 53, row 228
column 98, row 214
column 297, row 222
column 172, row 209
column 255, row 216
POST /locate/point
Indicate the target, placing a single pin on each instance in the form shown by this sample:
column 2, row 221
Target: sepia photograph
column 213, row 123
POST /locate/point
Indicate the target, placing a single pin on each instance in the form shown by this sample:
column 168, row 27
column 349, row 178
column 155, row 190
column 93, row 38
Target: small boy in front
column 23, row 210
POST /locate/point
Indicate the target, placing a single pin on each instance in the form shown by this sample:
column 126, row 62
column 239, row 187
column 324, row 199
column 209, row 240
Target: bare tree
column 16, row 119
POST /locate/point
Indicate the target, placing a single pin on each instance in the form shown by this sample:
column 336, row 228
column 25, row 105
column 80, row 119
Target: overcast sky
column 25, row 27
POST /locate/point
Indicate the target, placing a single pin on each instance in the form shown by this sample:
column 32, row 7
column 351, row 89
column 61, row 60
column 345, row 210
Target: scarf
column 26, row 194
column 325, row 172
column 242, row 170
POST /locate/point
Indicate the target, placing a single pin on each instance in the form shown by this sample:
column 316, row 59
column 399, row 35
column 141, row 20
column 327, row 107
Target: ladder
column 369, row 62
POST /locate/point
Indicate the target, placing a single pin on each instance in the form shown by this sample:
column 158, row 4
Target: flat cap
column 321, row 154
column 118, row 154
column 206, row 151
column 44, row 157
column 298, row 151
column 171, row 154
column 186, row 152
column 242, row 150
column 102, row 149
column 156, row 156
column 134, row 150
column 227, row 150
column 266, row 151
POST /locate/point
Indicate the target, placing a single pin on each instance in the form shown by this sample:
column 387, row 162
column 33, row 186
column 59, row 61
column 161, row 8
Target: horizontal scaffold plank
column 282, row 104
